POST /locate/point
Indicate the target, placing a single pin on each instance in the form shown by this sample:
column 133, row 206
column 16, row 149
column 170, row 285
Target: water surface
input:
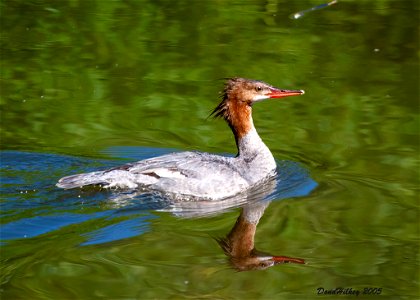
column 92, row 84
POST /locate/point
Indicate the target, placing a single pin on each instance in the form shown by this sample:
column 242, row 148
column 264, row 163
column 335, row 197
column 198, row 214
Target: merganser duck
column 202, row 175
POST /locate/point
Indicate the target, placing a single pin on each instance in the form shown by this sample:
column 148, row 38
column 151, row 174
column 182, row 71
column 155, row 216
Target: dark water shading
column 122, row 213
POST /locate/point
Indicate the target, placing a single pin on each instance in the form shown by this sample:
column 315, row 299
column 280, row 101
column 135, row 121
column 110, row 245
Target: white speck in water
column 376, row 50
column 79, row 196
column 24, row 100
column 296, row 16
column 42, row 96
column 186, row 282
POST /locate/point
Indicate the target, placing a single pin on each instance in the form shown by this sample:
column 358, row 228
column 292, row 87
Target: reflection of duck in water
column 291, row 181
column 203, row 175
column 238, row 245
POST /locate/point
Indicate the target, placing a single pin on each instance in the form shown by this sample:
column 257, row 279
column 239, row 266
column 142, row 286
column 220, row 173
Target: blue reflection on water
column 33, row 206
column 32, row 227
column 121, row 230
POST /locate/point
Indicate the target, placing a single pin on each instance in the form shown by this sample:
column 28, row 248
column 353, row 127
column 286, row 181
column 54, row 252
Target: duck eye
column 258, row 89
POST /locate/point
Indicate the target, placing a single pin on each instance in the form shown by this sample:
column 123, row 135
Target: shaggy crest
column 222, row 110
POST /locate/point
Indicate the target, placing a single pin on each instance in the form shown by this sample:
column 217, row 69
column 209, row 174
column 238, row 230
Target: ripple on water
column 33, row 206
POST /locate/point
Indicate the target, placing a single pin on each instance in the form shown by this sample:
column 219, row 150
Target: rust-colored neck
column 241, row 238
column 239, row 119
column 237, row 113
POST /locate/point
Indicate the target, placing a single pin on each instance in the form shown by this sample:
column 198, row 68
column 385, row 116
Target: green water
column 80, row 77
